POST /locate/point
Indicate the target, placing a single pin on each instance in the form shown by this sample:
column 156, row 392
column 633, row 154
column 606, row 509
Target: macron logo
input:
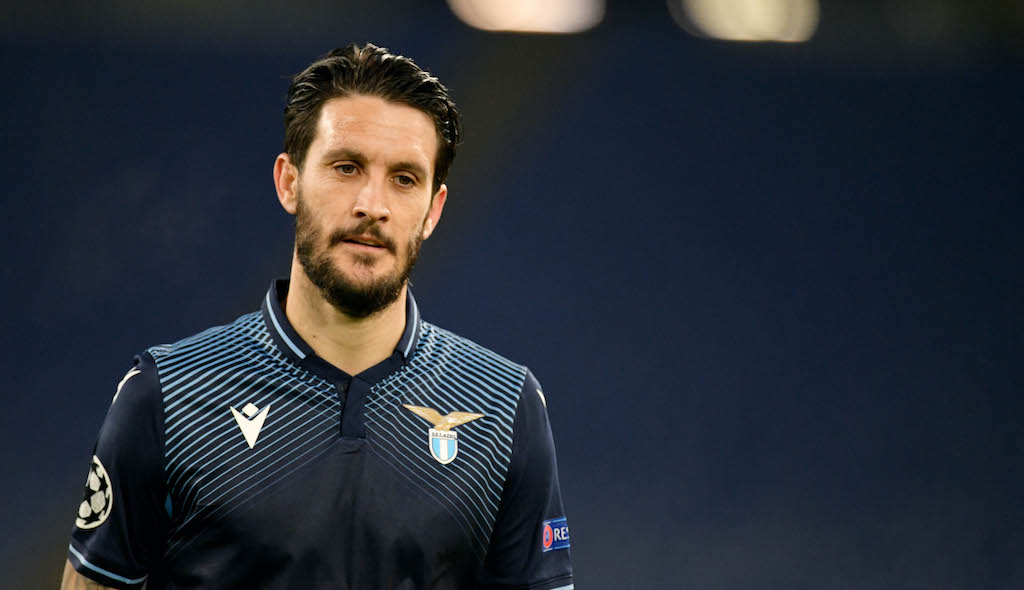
column 251, row 423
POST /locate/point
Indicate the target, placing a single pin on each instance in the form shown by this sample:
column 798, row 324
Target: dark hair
column 373, row 71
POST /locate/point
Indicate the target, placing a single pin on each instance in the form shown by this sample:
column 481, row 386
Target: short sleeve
column 529, row 548
column 121, row 522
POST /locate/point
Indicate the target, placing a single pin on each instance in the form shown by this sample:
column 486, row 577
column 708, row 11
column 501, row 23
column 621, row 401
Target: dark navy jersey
column 238, row 458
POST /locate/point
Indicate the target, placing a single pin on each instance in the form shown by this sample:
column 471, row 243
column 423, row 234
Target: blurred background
column 763, row 255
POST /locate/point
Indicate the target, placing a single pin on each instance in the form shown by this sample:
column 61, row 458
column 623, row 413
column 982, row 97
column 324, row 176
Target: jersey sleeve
column 529, row 548
column 121, row 523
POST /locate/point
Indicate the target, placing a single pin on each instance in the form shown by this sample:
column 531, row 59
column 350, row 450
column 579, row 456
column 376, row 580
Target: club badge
column 442, row 440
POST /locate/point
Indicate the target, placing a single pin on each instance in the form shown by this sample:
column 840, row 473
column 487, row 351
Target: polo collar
column 293, row 346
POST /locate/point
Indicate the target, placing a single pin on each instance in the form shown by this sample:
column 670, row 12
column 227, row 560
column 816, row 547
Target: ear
column 286, row 181
column 434, row 215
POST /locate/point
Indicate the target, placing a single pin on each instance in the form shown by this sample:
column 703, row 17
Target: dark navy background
column 772, row 293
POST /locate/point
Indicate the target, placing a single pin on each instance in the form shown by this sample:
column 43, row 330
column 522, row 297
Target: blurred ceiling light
column 748, row 20
column 530, row 16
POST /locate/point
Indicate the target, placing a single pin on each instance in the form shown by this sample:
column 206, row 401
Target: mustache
column 365, row 228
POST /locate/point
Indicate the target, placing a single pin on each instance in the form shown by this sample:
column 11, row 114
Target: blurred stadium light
column 869, row 31
column 530, row 16
column 748, row 20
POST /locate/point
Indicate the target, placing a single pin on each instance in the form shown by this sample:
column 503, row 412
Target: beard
column 342, row 291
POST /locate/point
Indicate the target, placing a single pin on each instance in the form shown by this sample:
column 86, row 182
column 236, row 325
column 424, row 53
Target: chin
column 366, row 278
column 361, row 271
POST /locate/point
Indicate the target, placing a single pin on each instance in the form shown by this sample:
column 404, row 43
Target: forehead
column 380, row 129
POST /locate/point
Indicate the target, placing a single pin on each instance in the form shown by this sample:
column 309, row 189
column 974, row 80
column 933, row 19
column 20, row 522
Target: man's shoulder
column 245, row 332
column 453, row 351
column 435, row 340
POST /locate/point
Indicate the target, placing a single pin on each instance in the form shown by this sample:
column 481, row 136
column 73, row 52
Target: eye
column 346, row 169
column 405, row 180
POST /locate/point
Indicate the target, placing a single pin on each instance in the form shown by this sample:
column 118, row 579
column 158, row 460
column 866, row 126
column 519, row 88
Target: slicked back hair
column 373, row 71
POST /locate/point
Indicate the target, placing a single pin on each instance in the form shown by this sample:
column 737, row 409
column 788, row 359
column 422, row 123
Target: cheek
column 313, row 223
column 425, row 227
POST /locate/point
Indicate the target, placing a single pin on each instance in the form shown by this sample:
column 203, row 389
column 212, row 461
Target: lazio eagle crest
column 443, row 441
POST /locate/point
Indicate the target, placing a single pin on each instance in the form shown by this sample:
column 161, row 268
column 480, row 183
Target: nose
column 371, row 202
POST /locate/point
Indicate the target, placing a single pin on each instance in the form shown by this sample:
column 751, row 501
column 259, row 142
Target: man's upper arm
column 530, row 544
column 76, row 581
column 121, row 522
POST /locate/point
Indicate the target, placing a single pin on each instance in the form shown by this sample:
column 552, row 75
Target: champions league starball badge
column 98, row 498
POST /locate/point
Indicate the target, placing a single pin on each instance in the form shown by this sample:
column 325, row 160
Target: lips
column 367, row 237
column 364, row 241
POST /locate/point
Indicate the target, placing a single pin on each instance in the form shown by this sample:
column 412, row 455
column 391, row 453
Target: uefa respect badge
column 555, row 535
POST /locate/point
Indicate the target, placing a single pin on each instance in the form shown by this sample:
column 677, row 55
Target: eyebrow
column 412, row 167
column 345, row 154
column 361, row 159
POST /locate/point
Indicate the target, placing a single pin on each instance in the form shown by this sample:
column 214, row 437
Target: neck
column 351, row 344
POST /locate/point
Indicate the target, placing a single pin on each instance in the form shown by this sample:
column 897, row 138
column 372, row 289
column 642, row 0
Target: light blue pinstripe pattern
column 223, row 505
column 176, row 451
column 436, row 383
column 206, row 401
column 230, row 366
column 413, row 432
column 449, row 373
column 413, row 429
column 227, row 434
column 192, row 349
column 435, row 386
column 255, row 457
column 471, row 509
column 211, row 472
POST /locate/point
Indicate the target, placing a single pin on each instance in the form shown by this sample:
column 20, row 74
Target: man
column 333, row 439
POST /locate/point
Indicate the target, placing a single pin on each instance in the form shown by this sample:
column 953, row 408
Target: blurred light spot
column 918, row 21
column 748, row 20
column 530, row 16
